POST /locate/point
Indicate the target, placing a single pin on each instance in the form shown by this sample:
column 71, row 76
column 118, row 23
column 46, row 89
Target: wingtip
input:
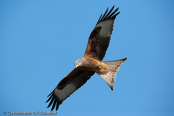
column 54, row 104
column 117, row 8
column 117, row 13
column 50, row 93
column 108, row 14
column 107, row 8
column 113, row 7
column 57, row 106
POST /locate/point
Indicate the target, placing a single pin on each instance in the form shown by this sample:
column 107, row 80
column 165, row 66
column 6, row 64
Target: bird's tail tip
column 110, row 76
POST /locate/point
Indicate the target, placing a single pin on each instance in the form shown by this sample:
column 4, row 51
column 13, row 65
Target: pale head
column 78, row 62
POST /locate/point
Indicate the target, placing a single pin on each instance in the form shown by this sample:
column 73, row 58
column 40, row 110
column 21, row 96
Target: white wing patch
column 65, row 92
column 106, row 28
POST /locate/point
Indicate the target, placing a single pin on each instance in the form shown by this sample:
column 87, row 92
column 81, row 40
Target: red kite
column 91, row 62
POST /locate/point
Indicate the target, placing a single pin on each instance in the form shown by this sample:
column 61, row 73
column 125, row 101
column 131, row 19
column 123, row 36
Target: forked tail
column 110, row 76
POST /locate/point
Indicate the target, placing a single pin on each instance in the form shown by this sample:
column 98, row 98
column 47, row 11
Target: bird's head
column 78, row 63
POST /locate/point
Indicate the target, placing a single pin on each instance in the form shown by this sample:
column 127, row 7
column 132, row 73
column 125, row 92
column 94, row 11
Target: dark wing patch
column 67, row 86
column 99, row 39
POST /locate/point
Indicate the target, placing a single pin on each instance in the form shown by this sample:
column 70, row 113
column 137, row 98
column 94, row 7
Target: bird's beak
column 76, row 66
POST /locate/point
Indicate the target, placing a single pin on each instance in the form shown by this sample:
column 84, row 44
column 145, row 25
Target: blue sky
column 40, row 41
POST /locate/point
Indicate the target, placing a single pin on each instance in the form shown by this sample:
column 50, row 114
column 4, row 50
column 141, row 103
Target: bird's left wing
column 69, row 84
column 99, row 38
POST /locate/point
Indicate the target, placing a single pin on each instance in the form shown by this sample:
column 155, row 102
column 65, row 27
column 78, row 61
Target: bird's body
column 95, row 66
column 91, row 62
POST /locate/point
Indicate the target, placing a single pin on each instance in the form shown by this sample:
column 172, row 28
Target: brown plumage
column 91, row 62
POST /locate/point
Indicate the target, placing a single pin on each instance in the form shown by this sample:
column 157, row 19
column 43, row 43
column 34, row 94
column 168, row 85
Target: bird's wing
column 69, row 84
column 99, row 39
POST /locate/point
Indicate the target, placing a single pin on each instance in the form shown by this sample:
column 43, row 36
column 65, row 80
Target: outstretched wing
column 99, row 39
column 69, row 84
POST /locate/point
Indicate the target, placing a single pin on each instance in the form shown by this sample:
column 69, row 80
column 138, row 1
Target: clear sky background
column 40, row 41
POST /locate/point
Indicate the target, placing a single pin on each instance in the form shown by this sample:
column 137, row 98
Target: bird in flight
column 91, row 62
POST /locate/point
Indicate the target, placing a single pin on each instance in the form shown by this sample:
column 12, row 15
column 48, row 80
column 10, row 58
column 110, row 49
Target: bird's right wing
column 99, row 39
column 69, row 84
